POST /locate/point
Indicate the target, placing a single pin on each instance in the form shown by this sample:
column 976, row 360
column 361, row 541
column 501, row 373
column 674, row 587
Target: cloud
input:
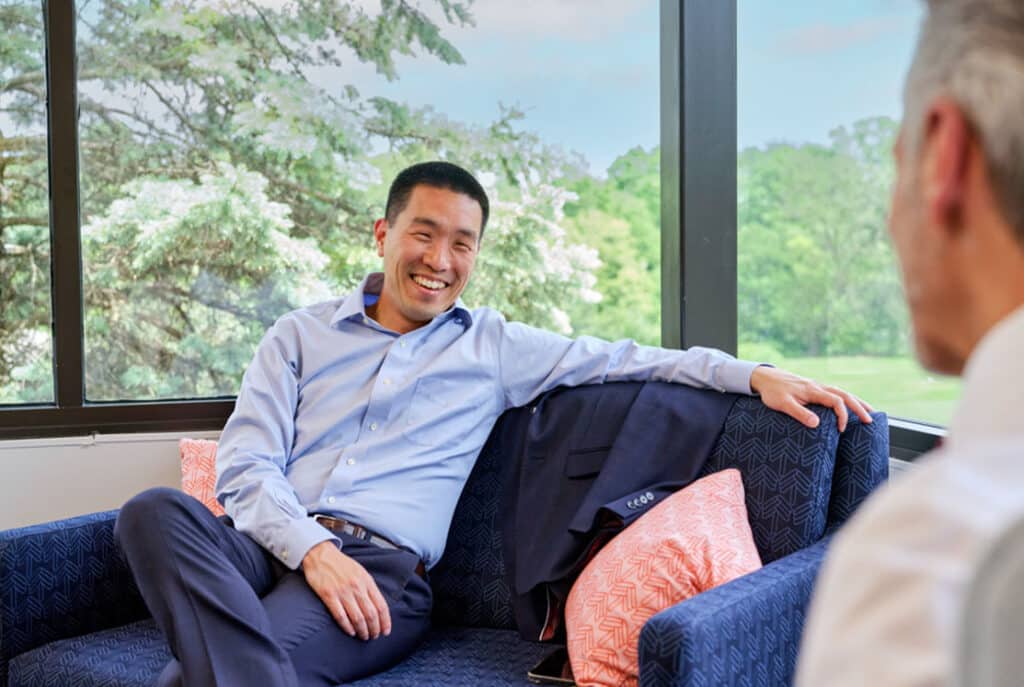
column 822, row 39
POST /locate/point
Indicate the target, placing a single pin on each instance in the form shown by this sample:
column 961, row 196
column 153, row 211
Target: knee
column 137, row 516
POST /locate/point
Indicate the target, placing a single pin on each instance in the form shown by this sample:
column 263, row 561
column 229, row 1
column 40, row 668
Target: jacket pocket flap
column 585, row 462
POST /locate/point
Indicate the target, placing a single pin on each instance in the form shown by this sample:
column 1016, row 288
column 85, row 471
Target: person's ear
column 947, row 144
column 380, row 231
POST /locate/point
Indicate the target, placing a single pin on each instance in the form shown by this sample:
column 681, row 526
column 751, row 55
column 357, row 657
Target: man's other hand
column 789, row 393
column 348, row 591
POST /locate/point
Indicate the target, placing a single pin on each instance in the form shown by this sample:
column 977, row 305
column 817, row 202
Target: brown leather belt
column 360, row 532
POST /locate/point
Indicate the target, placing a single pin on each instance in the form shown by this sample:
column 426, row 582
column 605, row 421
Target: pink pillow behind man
column 694, row 540
column 199, row 471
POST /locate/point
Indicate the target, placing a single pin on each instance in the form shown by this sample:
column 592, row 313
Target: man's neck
column 389, row 319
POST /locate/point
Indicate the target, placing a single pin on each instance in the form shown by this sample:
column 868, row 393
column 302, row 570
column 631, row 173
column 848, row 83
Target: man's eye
column 462, row 246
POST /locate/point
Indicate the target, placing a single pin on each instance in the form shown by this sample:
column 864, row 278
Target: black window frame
column 698, row 227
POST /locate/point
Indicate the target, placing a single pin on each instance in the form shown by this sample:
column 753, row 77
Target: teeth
column 429, row 283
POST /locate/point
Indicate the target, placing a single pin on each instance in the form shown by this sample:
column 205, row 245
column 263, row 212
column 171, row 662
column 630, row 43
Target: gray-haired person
column 889, row 603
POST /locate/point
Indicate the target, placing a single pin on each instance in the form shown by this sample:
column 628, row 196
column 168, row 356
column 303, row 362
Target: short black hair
column 438, row 174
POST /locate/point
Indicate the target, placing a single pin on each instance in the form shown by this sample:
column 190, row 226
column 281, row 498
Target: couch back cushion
column 469, row 581
column 787, row 473
column 862, row 464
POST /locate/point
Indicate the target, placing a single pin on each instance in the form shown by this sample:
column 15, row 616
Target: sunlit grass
column 897, row 386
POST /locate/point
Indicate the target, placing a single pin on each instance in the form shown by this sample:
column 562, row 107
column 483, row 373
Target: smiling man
column 356, row 426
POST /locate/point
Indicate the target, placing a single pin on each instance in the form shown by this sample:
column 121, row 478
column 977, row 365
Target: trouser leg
column 202, row 581
column 321, row 652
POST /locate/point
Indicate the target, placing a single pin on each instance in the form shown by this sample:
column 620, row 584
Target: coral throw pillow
column 692, row 541
column 199, row 471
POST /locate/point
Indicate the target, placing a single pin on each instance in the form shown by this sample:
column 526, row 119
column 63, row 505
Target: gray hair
column 973, row 52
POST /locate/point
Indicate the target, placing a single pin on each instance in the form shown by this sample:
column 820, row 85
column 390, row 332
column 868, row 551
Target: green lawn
column 897, row 386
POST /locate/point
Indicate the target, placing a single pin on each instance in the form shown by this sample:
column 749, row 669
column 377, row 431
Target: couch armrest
column 62, row 579
column 744, row 632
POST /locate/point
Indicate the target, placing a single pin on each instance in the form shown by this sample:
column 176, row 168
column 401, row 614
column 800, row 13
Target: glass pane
column 26, row 347
column 235, row 155
column 819, row 287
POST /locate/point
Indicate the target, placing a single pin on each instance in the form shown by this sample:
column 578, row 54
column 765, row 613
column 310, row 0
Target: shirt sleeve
column 533, row 361
column 253, row 452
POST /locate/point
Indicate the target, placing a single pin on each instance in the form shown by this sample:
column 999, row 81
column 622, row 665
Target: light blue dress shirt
column 338, row 415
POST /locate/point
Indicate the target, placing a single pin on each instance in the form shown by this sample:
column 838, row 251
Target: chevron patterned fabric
column 134, row 655
column 62, row 579
column 469, row 581
column 862, row 463
column 787, row 473
column 696, row 539
column 745, row 632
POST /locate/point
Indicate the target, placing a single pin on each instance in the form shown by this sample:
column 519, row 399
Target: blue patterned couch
column 70, row 614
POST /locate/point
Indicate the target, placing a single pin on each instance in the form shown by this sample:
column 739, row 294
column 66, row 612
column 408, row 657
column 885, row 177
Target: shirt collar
column 354, row 305
column 994, row 374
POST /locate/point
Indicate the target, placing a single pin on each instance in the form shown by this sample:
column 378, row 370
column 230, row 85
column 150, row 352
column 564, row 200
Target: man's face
column 930, row 278
column 429, row 253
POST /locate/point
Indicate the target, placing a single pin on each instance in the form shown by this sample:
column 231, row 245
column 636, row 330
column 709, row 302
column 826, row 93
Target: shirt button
column 373, row 426
column 331, row 499
column 402, row 344
column 284, row 554
column 350, row 461
column 386, row 382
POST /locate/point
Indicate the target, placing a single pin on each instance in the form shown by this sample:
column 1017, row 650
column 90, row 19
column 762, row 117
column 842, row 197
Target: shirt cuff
column 299, row 537
column 734, row 376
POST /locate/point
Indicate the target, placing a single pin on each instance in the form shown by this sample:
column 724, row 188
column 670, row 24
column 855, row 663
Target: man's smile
column 429, row 283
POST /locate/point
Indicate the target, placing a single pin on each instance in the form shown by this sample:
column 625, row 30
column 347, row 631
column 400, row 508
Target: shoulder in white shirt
column 888, row 603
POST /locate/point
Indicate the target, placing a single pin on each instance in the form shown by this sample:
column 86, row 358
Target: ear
column 948, row 140
column 380, row 231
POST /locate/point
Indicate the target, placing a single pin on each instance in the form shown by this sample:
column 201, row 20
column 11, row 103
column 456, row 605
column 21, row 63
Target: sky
column 586, row 71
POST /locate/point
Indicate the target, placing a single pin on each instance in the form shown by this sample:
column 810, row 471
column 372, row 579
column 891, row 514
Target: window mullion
column 65, row 232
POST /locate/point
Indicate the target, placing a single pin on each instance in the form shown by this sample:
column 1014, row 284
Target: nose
column 437, row 257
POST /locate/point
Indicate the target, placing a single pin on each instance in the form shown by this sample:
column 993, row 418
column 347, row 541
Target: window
column 234, row 156
column 819, row 98
column 26, row 367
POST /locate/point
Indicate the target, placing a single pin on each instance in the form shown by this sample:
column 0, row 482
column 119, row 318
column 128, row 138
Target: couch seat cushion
column 464, row 656
column 133, row 656
column 127, row 656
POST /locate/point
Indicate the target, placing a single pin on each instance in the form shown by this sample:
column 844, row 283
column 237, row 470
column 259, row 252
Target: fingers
column 340, row 614
column 382, row 610
column 365, row 612
column 798, row 412
column 375, row 610
column 352, row 598
column 835, row 402
column 859, row 407
column 358, row 613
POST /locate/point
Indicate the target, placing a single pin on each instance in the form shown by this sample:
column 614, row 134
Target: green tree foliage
column 815, row 269
column 223, row 184
column 620, row 217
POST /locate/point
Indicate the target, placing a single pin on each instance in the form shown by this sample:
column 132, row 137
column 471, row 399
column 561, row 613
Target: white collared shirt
column 886, row 609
